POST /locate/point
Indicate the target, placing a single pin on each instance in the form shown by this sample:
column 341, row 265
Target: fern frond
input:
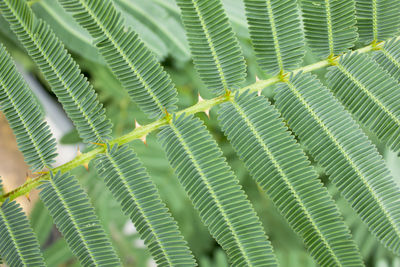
column 72, row 89
column 215, row 193
column 335, row 141
column 24, row 116
column 377, row 20
column 130, row 184
column 215, row 49
column 276, row 34
column 18, row 244
column 370, row 94
column 130, row 60
column 279, row 166
column 388, row 58
column 70, row 208
column 329, row 26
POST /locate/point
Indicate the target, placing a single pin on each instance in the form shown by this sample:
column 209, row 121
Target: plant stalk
column 139, row 132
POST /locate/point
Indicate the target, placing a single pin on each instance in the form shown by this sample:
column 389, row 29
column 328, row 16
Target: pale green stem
column 137, row 133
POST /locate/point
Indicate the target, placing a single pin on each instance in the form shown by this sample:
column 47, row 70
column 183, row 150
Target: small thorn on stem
column 98, row 144
column 199, row 98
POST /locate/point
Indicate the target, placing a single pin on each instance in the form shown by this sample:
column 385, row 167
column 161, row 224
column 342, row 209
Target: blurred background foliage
column 158, row 23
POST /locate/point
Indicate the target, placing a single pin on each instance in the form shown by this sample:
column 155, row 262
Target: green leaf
column 24, row 116
column 18, row 244
column 41, row 222
column 377, row 20
column 279, row 166
column 370, row 94
column 215, row 49
column 130, row 184
column 72, row 89
column 54, row 15
column 388, row 57
column 73, row 215
column 161, row 24
column 58, row 253
column 329, row 26
column 337, row 143
column 276, row 34
column 130, row 60
column 215, row 193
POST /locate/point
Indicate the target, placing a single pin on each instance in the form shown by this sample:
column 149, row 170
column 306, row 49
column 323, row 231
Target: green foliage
column 215, row 49
column 70, row 208
column 131, row 61
column 377, row 19
column 60, row 70
column 352, row 162
column 24, row 116
column 130, row 184
column 389, row 58
column 301, row 176
column 329, row 26
column 280, row 167
column 18, row 244
column 370, row 94
column 276, row 34
column 214, row 191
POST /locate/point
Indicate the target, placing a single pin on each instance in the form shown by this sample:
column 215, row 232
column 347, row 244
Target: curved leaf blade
column 370, row 94
column 215, row 49
column 353, row 164
column 215, row 193
column 70, row 208
column 72, row 89
column 329, row 26
column 388, row 57
column 18, row 244
column 125, row 53
column 279, row 166
column 130, row 184
column 276, row 34
column 377, row 20
column 23, row 113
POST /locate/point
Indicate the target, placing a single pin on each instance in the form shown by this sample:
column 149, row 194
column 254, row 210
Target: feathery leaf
column 215, row 193
column 72, row 89
column 18, row 244
column 276, row 34
column 70, row 208
column 130, row 60
column 370, row 94
column 341, row 147
column 280, row 167
column 130, row 184
column 388, row 57
column 377, row 20
column 215, row 49
column 329, row 26
column 24, row 116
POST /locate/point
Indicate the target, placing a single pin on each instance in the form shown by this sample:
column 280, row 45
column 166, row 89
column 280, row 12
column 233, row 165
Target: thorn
column 257, row 79
column 27, row 197
column 98, row 144
column 137, row 125
column 41, row 172
column 143, row 138
column 200, row 99
column 78, row 152
column 207, row 112
column 86, row 166
column 259, row 92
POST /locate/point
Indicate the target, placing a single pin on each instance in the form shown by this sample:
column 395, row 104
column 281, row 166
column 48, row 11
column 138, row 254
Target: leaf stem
column 146, row 129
